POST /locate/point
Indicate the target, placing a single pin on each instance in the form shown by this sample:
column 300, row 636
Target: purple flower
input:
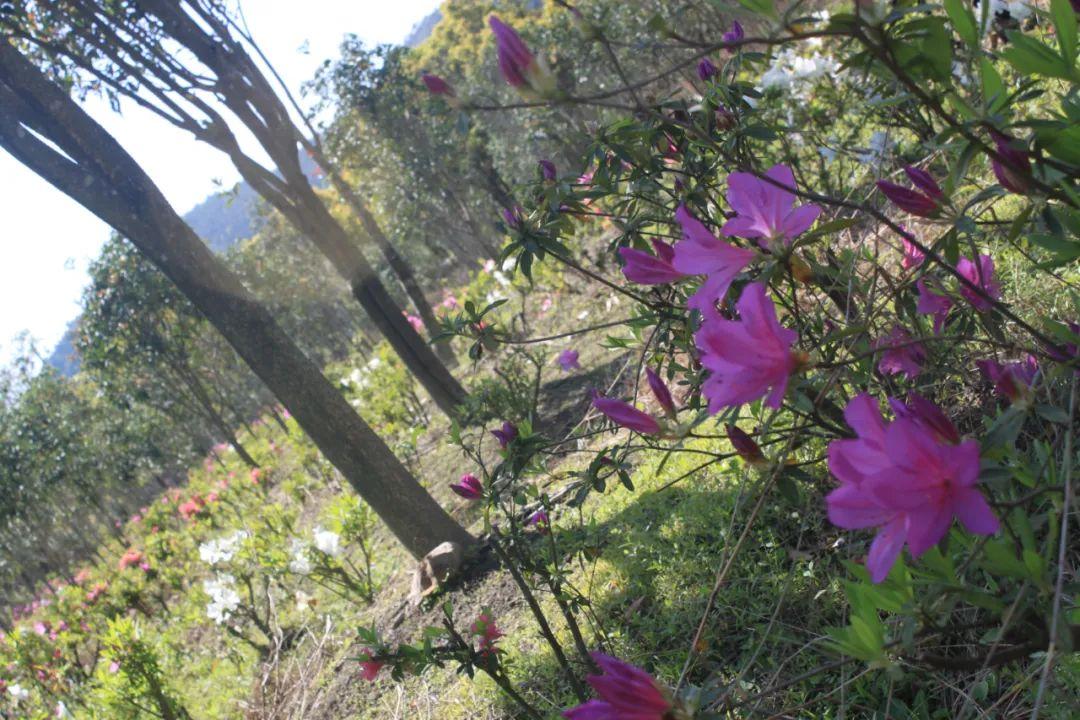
column 1011, row 380
column 660, row 391
column 734, row 35
column 568, row 360
column 764, row 211
column 523, row 70
column 913, row 256
column 901, row 478
column 626, row 693
column 908, row 200
column 514, row 217
column 745, row 446
column 626, row 415
column 707, row 70
column 646, row 269
column 540, row 521
column 902, row 353
column 437, row 86
column 547, row 170
column 1014, row 174
column 981, row 274
column 749, row 358
column 506, row 434
column 925, row 182
column 933, row 303
column 701, row 252
column 469, row 487
column 928, row 415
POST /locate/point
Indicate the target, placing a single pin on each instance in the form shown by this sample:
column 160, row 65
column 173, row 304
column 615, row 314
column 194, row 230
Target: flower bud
column 745, row 446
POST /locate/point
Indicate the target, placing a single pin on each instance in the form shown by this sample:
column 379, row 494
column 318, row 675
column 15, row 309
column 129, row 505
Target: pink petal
column 885, row 549
column 974, row 512
column 800, row 219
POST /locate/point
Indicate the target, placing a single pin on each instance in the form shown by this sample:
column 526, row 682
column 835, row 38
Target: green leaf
column 994, row 94
column 1031, row 57
column 963, row 22
column 759, row 7
column 1065, row 25
column 1062, row 143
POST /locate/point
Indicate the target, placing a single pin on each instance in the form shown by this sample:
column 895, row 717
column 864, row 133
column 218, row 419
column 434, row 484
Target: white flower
column 61, row 710
column 300, row 563
column 222, row 549
column 776, row 77
column 500, row 278
column 508, row 264
column 305, row 602
column 223, row 597
column 327, row 542
column 18, row 692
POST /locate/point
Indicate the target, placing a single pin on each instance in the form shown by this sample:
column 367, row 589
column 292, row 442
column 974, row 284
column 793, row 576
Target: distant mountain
column 224, row 219
column 65, row 358
column 422, row 30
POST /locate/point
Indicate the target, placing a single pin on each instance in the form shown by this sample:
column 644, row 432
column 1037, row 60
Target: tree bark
column 245, row 91
column 397, row 262
column 92, row 168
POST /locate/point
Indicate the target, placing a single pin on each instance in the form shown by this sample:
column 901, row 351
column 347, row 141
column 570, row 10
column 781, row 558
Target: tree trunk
column 242, row 87
column 92, row 168
column 397, row 263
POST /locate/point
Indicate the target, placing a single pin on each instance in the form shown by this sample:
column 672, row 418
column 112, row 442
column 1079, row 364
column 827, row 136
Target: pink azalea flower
column 568, row 360
column 733, row 35
column 702, row 253
column 645, row 269
column 626, row 415
column 745, row 446
column 981, row 273
column 506, row 434
column 518, row 65
column 488, row 632
column 924, row 202
column 902, row 353
column 626, row 693
column 660, row 392
column 1015, row 176
column 417, row 323
column 369, row 666
column 707, row 69
column 933, row 303
column 1011, row 380
column 748, row 358
column 255, row 474
column 925, row 413
column 437, row 85
column 766, row 212
column 469, row 487
column 130, row 558
column 548, row 171
column 913, row 256
column 903, row 478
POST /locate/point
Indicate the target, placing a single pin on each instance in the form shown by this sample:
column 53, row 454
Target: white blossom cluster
column 327, row 542
column 223, row 597
column 359, row 377
column 793, row 73
column 222, row 549
column 300, row 563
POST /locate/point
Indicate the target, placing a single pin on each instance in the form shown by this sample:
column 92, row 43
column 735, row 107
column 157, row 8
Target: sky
column 50, row 239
